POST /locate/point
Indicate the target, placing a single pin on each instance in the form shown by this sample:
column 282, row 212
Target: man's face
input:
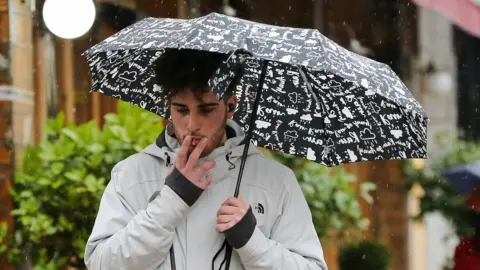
column 200, row 116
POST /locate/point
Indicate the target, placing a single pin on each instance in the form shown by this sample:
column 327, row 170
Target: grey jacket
column 145, row 209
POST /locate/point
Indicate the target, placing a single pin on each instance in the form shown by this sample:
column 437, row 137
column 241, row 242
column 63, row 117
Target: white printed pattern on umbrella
column 350, row 124
column 220, row 33
column 364, row 112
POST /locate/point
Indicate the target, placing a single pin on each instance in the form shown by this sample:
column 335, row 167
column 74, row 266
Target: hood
column 166, row 146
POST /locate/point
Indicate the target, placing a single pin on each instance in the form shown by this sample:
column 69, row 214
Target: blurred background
column 412, row 216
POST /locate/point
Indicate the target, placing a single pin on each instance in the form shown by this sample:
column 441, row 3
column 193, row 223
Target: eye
column 182, row 111
column 206, row 110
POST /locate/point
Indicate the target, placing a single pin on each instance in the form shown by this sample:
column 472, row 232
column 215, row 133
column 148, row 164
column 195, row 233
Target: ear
column 231, row 103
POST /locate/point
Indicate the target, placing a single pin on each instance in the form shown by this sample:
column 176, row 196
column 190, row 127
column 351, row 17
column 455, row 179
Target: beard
column 214, row 141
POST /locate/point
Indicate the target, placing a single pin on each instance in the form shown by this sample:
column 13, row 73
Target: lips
column 196, row 140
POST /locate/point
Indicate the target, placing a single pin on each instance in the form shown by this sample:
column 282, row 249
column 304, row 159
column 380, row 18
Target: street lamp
column 438, row 82
column 69, row 19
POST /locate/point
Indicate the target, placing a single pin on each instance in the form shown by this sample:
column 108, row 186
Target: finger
column 227, row 218
column 183, row 152
column 204, row 184
column 227, row 202
column 205, row 167
column 224, row 226
column 240, row 195
column 195, row 155
column 232, row 201
column 228, row 210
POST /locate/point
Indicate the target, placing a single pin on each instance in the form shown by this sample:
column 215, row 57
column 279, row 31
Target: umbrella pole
column 251, row 126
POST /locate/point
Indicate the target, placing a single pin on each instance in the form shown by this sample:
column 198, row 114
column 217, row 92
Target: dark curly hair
column 179, row 70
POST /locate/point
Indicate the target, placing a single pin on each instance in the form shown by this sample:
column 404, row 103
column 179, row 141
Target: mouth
column 196, row 140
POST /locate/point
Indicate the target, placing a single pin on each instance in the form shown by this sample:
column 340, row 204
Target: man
column 171, row 206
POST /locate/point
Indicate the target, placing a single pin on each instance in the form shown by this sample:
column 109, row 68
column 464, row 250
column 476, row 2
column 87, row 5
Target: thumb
column 204, row 184
column 240, row 195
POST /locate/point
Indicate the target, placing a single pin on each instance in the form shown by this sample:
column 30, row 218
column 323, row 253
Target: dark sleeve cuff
column 185, row 189
column 240, row 233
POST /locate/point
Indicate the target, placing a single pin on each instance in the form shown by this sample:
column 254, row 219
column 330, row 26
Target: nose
column 193, row 122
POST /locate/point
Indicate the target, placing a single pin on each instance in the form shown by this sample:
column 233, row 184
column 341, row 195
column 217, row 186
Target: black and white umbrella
column 316, row 100
column 299, row 93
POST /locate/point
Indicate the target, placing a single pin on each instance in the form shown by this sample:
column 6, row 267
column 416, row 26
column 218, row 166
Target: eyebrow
column 211, row 104
column 203, row 105
column 179, row 105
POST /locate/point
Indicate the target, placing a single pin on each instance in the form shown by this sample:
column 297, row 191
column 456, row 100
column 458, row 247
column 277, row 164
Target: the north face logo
column 260, row 209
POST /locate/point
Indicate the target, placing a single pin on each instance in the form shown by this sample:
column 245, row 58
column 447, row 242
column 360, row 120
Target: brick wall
column 22, row 72
column 16, row 125
column 442, row 110
column 388, row 216
column 6, row 156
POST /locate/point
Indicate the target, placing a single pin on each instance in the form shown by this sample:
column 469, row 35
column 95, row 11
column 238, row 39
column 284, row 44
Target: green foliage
column 440, row 195
column 58, row 188
column 3, row 235
column 331, row 195
column 364, row 255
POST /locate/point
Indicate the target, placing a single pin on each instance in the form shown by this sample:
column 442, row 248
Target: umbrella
column 314, row 99
column 299, row 93
column 464, row 178
column 463, row 13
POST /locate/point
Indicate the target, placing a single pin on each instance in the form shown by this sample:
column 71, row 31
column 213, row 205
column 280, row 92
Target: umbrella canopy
column 310, row 97
column 464, row 13
column 464, row 178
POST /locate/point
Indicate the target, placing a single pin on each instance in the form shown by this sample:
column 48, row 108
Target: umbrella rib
column 309, row 87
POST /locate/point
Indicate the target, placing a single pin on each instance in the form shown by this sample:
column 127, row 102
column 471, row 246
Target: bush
column 364, row 255
column 58, row 189
column 331, row 196
column 440, row 195
column 62, row 179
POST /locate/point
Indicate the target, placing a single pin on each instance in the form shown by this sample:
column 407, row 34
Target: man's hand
column 187, row 165
column 230, row 213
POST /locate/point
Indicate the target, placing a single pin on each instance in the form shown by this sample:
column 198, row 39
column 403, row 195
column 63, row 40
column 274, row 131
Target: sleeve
column 124, row 239
column 294, row 243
